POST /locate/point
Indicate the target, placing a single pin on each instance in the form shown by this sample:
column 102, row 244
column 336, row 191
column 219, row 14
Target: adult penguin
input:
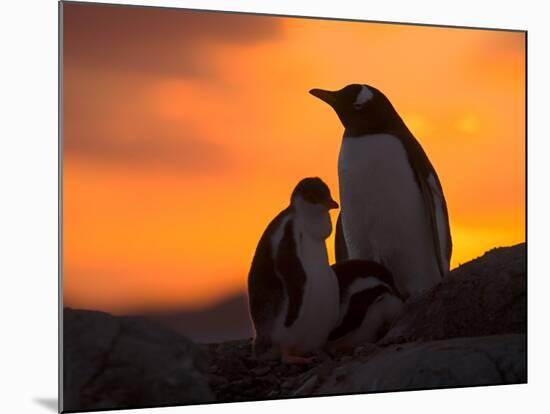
column 393, row 210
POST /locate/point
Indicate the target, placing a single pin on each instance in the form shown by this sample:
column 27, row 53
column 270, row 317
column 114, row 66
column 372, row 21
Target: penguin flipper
column 265, row 301
column 441, row 221
column 290, row 270
column 340, row 247
column 434, row 200
column 265, row 289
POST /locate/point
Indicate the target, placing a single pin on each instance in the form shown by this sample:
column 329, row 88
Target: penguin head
column 362, row 109
column 311, row 199
column 315, row 192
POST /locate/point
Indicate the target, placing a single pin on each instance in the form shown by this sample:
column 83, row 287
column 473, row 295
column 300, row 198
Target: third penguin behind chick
column 369, row 304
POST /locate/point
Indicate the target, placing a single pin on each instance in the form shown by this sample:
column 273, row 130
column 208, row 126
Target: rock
column 217, row 380
column 272, row 378
column 359, row 350
column 446, row 363
column 232, row 364
column 260, row 371
column 455, row 362
column 307, row 387
column 87, row 338
column 487, row 296
column 346, row 358
column 288, row 383
column 122, row 362
column 340, row 372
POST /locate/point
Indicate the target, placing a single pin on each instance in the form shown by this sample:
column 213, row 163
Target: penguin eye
column 311, row 197
column 358, row 106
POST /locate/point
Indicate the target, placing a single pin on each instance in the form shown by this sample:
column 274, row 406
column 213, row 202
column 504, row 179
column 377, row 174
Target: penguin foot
column 288, row 358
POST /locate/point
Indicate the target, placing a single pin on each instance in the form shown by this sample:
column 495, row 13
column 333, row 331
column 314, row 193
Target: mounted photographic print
column 256, row 207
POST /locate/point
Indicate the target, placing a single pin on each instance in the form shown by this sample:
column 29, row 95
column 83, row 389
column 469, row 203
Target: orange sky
column 185, row 132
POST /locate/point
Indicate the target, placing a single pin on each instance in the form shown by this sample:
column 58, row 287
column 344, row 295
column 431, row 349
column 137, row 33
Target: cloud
column 108, row 119
column 155, row 40
column 162, row 148
column 504, row 43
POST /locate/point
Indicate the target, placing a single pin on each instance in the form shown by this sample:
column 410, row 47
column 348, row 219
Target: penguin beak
column 331, row 204
column 329, row 97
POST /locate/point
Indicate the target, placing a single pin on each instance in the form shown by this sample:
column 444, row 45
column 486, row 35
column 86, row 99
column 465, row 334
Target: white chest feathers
column 319, row 310
column 320, row 307
column 383, row 213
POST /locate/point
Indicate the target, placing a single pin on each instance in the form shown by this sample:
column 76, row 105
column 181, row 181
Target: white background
column 28, row 206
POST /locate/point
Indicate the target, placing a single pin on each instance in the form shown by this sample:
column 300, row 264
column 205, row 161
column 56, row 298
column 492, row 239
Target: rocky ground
column 469, row 330
column 235, row 375
column 126, row 362
column 487, row 296
column 458, row 362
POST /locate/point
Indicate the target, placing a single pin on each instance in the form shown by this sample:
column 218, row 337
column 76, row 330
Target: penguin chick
column 293, row 291
column 369, row 304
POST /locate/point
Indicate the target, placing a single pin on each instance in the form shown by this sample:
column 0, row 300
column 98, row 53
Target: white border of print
column 28, row 211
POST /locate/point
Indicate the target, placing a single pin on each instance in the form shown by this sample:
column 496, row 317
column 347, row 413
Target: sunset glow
column 185, row 133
